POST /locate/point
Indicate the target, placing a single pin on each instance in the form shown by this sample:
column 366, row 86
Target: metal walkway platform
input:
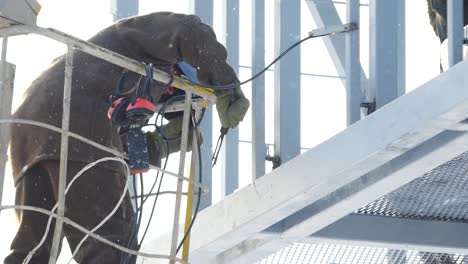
column 348, row 190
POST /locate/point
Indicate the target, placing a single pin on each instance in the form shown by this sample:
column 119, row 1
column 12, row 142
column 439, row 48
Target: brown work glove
column 232, row 106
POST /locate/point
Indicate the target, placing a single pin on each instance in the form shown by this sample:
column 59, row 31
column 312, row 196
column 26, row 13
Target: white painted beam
column 350, row 157
column 364, row 231
column 396, row 233
column 324, row 14
column 386, row 178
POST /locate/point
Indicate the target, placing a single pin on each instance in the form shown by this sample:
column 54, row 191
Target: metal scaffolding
column 314, row 199
column 127, row 63
column 381, row 191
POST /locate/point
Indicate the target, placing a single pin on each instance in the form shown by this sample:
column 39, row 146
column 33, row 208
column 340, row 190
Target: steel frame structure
column 305, row 198
column 120, row 60
column 340, row 175
column 311, row 197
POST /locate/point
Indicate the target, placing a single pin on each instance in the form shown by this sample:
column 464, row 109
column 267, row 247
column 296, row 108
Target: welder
column 162, row 39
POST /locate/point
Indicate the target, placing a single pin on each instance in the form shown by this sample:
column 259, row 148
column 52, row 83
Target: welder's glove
column 172, row 131
column 232, row 107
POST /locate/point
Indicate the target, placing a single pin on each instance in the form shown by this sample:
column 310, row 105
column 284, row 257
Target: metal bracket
column 331, row 30
column 368, row 107
column 276, row 160
column 197, row 103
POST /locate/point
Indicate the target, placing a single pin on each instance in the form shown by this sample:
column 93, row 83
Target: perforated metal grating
column 441, row 194
column 305, row 253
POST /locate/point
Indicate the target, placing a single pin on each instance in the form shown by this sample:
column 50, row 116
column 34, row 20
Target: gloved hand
column 232, row 107
column 173, row 132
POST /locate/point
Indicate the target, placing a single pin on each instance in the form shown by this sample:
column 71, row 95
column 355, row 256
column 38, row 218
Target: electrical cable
column 159, row 193
column 94, row 144
column 99, row 146
column 51, row 214
column 152, row 210
column 155, row 201
column 197, row 207
column 152, row 188
column 142, row 201
column 138, row 216
column 235, row 85
column 70, row 222
column 135, row 244
column 107, row 217
column 87, row 167
column 195, row 124
column 160, row 147
column 161, row 113
column 130, row 242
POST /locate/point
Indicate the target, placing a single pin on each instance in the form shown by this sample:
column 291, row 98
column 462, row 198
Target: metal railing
column 74, row 44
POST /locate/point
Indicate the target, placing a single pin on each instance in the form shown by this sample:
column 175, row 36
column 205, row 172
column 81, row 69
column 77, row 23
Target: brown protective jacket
column 160, row 38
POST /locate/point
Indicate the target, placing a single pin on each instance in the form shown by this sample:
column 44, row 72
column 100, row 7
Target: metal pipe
column 230, row 150
column 287, row 81
column 87, row 232
column 353, row 65
column 183, row 151
column 455, row 31
column 5, row 98
column 63, row 155
column 109, row 56
column 97, row 145
column 258, row 89
column 386, row 50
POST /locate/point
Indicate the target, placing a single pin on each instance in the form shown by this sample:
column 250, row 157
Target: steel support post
column 7, row 77
column 230, row 162
column 204, row 9
column 63, row 155
column 353, row 65
column 387, row 53
column 183, row 152
column 123, row 8
column 191, row 207
column 287, row 78
column 357, row 173
column 455, row 31
column 325, row 14
column 258, row 89
column 395, row 233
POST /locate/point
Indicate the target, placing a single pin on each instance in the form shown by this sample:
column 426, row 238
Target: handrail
column 109, row 56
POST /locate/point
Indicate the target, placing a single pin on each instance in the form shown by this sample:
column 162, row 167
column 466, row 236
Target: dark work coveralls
column 159, row 38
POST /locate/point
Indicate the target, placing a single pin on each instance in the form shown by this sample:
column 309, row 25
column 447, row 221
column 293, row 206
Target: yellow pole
column 188, row 211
